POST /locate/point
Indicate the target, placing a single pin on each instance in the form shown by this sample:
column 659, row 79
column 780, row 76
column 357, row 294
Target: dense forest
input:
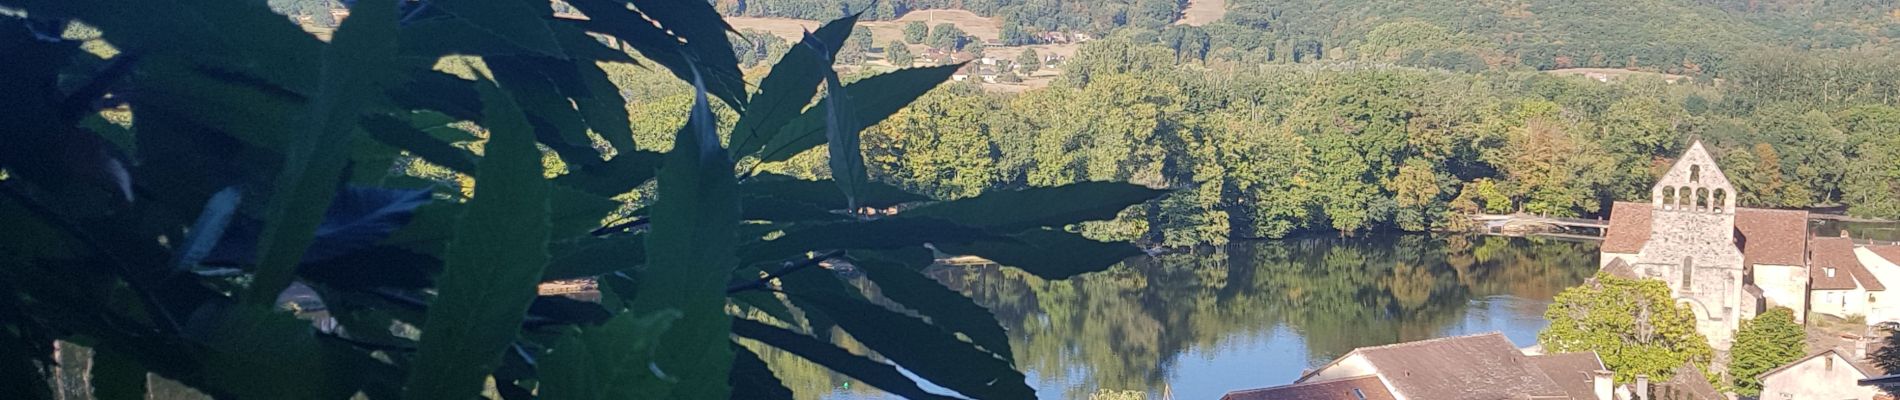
column 1679, row 36
column 1289, row 116
column 1274, row 149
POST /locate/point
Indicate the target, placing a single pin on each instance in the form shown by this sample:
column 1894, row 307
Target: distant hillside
column 1018, row 18
column 1676, row 36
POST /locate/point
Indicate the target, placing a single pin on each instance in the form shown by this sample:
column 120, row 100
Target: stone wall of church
column 1703, row 243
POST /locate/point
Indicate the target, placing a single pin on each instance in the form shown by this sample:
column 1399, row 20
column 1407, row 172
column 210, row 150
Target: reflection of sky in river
column 1271, row 357
column 1198, row 326
column 1263, row 360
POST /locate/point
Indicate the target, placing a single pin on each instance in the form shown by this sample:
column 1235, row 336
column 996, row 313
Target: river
column 1251, row 314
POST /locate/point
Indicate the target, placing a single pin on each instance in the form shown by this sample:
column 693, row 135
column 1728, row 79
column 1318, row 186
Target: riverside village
column 1726, row 264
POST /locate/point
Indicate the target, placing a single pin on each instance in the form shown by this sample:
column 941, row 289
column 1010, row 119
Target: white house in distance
column 1828, row 375
column 1729, row 263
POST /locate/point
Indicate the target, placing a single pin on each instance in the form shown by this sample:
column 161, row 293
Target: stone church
column 1727, row 263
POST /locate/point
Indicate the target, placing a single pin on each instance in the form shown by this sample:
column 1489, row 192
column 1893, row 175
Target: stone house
column 1830, row 374
column 1483, row 366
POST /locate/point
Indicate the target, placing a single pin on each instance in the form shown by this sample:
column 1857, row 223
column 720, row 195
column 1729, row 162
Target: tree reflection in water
column 1237, row 308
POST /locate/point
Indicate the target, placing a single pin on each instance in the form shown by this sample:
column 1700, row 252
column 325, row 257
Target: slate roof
column 1572, row 371
column 1838, row 254
column 1772, row 236
column 1482, row 366
column 1357, row 388
column 1629, row 228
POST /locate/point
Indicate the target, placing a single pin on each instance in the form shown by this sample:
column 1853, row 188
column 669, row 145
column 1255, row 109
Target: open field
column 1202, row 12
column 881, row 31
column 884, row 32
column 1613, row 73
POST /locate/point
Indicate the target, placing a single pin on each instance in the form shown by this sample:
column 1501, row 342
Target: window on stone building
column 1669, row 197
column 1695, row 173
column 1688, row 272
column 1702, row 199
column 1721, row 199
column 1685, row 197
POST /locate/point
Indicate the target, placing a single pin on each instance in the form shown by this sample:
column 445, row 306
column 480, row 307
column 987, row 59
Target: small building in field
column 1830, row 374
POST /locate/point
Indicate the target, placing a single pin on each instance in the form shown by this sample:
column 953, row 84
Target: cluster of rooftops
column 1482, row 366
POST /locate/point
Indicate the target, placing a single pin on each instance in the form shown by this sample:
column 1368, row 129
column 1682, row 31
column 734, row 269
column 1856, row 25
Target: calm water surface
column 1253, row 314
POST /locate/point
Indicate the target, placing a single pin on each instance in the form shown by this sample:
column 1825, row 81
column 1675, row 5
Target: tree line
column 1265, row 151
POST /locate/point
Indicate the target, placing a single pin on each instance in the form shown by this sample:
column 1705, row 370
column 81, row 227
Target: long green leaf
column 402, row 135
column 253, row 352
column 879, row 97
column 927, row 350
column 492, row 265
column 556, row 122
column 519, row 23
column 116, row 376
column 824, row 194
column 615, row 177
column 690, row 252
column 586, row 257
column 862, row 235
column 356, row 67
column 1015, row 210
column 636, row 29
column 841, row 136
column 1048, row 253
column 880, row 375
column 790, row 86
column 703, row 33
column 440, row 92
column 604, row 109
column 610, row 361
column 752, row 379
column 946, row 308
column 766, row 302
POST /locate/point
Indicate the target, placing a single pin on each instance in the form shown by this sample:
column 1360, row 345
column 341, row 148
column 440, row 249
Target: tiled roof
column 1866, row 371
column 1367, row 387
column 1837, row 254
column 1689, row 384
column 1887, row 251
column 1629, row 228
column 1619, row 268
column 1772, row 236
column 1572, row 372
column 1484, row 366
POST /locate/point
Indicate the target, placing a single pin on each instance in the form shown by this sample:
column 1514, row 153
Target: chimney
column 1603, row 380
column 1642, row 387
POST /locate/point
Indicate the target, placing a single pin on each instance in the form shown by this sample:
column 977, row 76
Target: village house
column 1830, row 374
column 1729, row 263
column 1484, row 366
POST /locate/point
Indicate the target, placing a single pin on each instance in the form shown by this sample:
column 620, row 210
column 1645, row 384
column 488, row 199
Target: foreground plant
column 257, row 160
